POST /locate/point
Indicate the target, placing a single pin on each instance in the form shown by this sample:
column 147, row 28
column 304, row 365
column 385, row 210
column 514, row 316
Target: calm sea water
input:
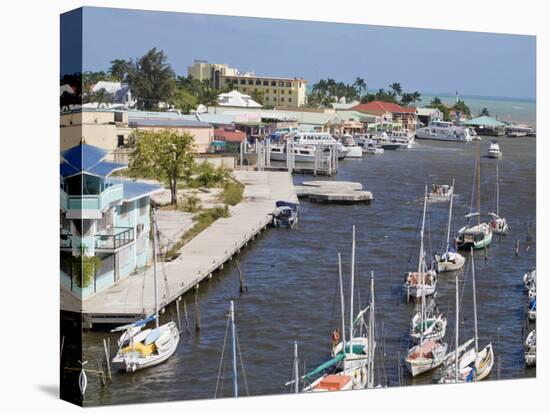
column 506, row 109
column 292, row 280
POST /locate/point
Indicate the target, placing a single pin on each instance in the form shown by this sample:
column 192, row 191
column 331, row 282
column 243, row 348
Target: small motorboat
column 494, row 150
column 285, row 215
column 440, row 193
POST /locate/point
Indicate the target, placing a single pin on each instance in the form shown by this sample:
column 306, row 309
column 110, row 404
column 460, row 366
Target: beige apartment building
column 277, row 91
column 110, row 129
column 100, row 128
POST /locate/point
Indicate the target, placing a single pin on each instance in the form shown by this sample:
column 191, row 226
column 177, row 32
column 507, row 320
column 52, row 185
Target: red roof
column 229, row 135
column 379, row 107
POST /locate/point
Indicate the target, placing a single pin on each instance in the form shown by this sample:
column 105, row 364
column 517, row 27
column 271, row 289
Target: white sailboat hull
column 167, row 344
column 449, row 263
column 354, row 151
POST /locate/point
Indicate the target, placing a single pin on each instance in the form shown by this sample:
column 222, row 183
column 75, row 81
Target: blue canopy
column 88, row 159
column 286, row 204
column 136, row 189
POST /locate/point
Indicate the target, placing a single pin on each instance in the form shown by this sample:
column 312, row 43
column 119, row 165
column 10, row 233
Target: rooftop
column 485, row 121
column 380, row 107
column 237, row 99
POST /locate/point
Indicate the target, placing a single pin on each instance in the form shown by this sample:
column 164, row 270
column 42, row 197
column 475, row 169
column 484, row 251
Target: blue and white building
column 103, row 216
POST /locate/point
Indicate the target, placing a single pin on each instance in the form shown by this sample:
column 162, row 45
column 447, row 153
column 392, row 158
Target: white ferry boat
column 354, row 150
column 319, row 138
column 444, row 131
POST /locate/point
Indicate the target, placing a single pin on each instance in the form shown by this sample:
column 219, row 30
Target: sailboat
column 351, row 359
column 473, row 364
column 480, row 235
column 422, row 283
column 430, row 325
column 451, row 259
column 498, row 224
column 138, row 348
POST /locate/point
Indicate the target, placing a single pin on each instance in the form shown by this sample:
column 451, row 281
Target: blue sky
column 435, row 61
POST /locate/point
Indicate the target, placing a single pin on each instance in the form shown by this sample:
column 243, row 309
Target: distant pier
column 334, row 192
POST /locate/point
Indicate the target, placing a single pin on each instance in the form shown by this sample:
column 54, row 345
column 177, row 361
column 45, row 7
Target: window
column 124, row 209
column 282, row 99
column 258, row 82
column 266, row 83
column 289, row 99
column 288, row 85
column 282, row 84
column 250, row 82
column 273, row 83
column 120, row 140
column 267, row 98
column 243, row 81
column 118, row 117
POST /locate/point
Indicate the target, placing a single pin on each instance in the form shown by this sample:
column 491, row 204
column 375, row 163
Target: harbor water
column 292, row 280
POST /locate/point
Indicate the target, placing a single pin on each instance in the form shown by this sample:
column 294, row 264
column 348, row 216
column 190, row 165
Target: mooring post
column 178, row 313
column 107, row 359
column 517, row 247
column 100, row 372
column 186, row 316
column 62, row 345
column 242, row 288
column 197, row 310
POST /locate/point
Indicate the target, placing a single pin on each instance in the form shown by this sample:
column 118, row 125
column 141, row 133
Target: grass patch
column 232, row 193
column 202, row 221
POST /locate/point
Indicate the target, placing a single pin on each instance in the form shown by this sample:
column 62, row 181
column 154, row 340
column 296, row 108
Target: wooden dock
column 199, row 259
column 334, row 192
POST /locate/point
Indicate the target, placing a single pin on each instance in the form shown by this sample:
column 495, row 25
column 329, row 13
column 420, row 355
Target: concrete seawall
column 133, row 296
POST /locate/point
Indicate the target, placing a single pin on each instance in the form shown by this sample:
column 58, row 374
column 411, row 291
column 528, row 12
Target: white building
column 236, row 99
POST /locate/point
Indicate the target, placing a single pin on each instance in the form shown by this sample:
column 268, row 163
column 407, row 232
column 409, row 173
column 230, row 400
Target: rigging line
column 242, row 364
column 220, row 373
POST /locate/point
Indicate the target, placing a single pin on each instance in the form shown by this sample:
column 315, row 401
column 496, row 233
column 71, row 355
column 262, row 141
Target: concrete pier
column 132, row 297
column 334, row 192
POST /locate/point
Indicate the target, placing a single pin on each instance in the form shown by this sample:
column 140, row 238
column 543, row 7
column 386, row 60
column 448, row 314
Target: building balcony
column 110, row 193
column 117, row 238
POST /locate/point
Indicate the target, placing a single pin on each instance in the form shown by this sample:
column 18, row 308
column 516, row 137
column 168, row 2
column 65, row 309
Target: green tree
column 184, row 100
column 435, row 102
column 415, row 96
column 119, row 69
column 164, row 155
column 396, row 89
column 151, row 80
column 484, row 112
column 258, row 96
column 460, row 106
column 360, row 85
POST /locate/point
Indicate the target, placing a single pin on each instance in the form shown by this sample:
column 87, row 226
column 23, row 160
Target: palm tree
column 415, row 97
column 360, row 85
column 484, row 112
column 396, row 88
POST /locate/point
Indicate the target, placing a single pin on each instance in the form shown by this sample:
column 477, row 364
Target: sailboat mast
column 234, row 344
column 155, row 268
column 478, row 187
column 498, row 195
column 342, row 306
column 457, row 321
column 421, row 267
column 351, row 291
column 475, row 301
column 371, row 334
column 296, row 369
column 450, row 216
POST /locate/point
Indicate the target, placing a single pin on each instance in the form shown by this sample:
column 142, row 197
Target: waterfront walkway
column 133, row 296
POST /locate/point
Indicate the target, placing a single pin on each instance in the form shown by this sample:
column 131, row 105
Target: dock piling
column 186, row 316
column 107, row 359
column 242, row 287
column 178, row 313
column 517, row 247
column 197, row 310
